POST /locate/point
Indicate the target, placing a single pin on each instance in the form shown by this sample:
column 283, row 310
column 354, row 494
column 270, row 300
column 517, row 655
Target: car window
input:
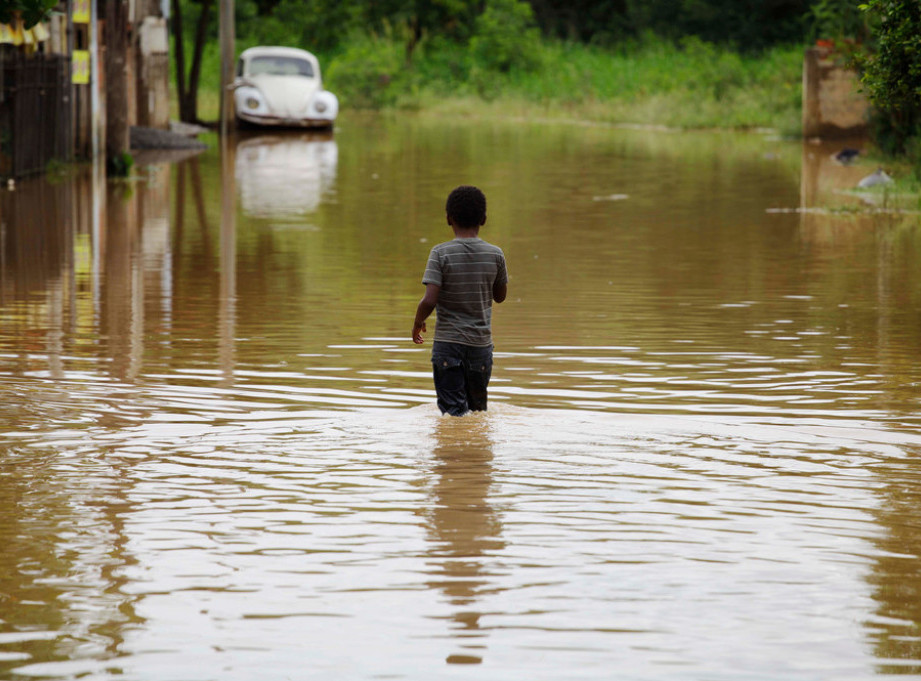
column 280, row 66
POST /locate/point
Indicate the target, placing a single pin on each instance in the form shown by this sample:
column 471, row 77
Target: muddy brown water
column 220, row 457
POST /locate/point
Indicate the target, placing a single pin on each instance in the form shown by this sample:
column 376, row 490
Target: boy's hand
column 425, row 308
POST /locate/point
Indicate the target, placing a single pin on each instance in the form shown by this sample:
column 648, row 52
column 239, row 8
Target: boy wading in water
column 462, row 279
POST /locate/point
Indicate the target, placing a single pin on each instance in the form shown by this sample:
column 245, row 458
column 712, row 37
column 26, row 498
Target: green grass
column 660, row 84
column 651, row 82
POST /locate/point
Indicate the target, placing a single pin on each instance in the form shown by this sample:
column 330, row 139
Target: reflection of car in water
column 281, row 86
column 285, row 175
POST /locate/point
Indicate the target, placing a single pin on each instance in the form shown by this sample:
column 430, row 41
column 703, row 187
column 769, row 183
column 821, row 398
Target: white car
column 281, row 86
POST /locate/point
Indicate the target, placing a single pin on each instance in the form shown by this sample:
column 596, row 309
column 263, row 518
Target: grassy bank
column 653, row 82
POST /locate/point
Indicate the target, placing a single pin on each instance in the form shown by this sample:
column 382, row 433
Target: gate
column 36, row 112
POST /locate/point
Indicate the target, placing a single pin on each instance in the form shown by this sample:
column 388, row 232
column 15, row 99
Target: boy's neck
column 466, row 232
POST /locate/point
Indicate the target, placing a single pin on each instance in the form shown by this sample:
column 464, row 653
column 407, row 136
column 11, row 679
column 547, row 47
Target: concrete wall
column 152, row 95
column 833, row 106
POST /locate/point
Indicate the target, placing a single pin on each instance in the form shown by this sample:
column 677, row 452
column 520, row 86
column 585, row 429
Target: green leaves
column 506, row 36
column 31, row 11
column 892, row 72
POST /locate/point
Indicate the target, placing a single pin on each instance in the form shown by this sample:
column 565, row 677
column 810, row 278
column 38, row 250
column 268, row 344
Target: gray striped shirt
column 466, row 271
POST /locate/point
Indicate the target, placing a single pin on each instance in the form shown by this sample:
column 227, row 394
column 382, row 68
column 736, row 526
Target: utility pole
column 94, row 82
column 118, row 134
column 227, row 32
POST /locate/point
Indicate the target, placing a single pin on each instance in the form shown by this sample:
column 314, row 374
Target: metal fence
column 36, row 112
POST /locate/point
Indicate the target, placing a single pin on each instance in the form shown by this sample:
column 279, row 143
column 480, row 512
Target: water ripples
column 625, row 539
column 679, row 499
column 616, row 379
column 221, row 457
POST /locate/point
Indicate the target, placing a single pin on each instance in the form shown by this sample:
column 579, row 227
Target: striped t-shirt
column 466, row 270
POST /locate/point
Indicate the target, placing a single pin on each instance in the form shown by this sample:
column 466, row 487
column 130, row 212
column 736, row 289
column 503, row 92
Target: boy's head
column 466, row 207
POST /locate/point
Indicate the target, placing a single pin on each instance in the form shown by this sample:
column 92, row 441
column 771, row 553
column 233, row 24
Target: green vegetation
column 684, row 63
column 648, row 82
column 119, row 165
column 891, row 67
column 652, row 82
column 677, row 63
column 30, row 11
column 746, row 25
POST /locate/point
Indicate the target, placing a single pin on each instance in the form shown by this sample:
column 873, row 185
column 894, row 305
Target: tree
column 452, row 18
column 30, row 11
column 321, row 25
column 892, row 74
column 841, row 21
column 596, row 21
column 507, row 36
column 748, row 25
column 187, row 90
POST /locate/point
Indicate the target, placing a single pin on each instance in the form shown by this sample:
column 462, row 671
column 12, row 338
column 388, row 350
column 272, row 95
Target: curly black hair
column 466, row 206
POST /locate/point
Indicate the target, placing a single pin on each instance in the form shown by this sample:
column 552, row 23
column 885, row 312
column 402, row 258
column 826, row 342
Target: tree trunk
column 179, row 45
column 195, row 73
column 227, row 36
column 118, row 143
column 415, row 35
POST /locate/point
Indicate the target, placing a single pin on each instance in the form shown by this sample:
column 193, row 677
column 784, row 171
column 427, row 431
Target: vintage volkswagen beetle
column 281, row 86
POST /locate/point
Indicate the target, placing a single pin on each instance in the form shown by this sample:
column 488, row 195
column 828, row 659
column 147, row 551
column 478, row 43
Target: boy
column 462, row 279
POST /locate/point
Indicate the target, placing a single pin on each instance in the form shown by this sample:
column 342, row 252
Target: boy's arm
column 426, row 305
column 500, row 285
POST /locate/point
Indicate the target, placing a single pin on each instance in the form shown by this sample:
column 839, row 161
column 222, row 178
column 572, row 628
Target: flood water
column 220, row 457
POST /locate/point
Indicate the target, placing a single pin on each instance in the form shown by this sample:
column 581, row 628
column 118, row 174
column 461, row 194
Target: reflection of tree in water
column 463, row 526
column 896, row 577
column 63, row 561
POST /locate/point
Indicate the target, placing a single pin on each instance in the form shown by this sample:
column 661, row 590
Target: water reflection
column 285, row 175
column 894, row 628
column 65, row 609
column 747, row 495
column 825, row 181
column 38, row 250
column 463, row 525
column 227, row 318
column 135, row 253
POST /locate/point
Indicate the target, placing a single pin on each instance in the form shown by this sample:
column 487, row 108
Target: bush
column 506, row 37
column 370, row 72
column 314, row 25
column 892, row 75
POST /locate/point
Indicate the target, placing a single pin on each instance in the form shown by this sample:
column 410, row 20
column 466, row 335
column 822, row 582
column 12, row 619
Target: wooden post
column 96, row 130
column 118, row 140
column 228, row 55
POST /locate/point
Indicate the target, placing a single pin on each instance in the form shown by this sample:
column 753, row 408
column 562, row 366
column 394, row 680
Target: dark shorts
column 461, row 376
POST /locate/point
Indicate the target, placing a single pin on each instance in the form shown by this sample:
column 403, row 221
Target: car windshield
column 280, row 66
